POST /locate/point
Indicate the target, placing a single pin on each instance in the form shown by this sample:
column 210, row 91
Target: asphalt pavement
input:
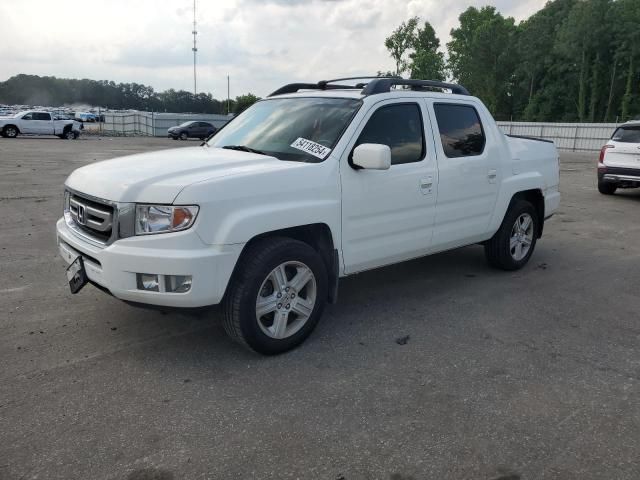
column 438, row 368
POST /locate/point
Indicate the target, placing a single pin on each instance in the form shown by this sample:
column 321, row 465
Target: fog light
column 148, row 281
column 178, row 283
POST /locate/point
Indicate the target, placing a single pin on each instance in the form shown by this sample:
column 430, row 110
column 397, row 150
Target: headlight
column 164, row 218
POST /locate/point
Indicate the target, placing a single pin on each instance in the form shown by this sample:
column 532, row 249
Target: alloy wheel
column 521, row 237
column 286, row 300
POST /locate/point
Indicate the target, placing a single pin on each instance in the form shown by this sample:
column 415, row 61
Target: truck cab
column 316, row 182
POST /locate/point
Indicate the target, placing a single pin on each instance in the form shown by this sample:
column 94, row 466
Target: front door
column 28, row 124
column 388, row 215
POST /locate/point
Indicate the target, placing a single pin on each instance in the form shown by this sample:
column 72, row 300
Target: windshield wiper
column 244, row 148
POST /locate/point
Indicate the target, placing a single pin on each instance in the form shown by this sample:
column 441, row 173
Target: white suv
column 314, row 183
column 619, row 162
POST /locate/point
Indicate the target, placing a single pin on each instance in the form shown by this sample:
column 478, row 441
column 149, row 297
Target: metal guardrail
column 566, row 136
column 150, row 123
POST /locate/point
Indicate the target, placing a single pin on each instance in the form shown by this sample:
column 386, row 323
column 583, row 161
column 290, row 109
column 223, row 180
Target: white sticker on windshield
column 312, row 148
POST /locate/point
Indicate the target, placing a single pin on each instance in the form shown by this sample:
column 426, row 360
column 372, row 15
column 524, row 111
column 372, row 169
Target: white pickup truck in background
column 39, row 123
column 316, row 182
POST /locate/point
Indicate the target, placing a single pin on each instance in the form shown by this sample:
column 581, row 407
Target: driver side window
column 400, row 127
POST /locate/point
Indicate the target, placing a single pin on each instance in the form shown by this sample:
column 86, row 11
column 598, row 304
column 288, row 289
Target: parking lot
column 438, row 368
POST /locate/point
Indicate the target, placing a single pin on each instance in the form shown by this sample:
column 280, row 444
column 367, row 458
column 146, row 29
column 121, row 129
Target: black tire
column 69, row 135
column 607, row 188
column 10, row 131
column 184, row 136
column 255, row 265
column 498, row 249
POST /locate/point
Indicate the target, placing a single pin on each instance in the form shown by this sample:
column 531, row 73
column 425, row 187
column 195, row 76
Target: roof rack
column 383, row 85
column 374, row 86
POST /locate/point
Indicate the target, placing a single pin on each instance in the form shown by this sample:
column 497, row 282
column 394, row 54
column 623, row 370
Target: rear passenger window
column 42, row 116
column 400, row 127
column 461, row 132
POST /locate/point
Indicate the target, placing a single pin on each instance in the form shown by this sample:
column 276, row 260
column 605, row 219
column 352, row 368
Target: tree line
column 51, row 91
column 573, row 60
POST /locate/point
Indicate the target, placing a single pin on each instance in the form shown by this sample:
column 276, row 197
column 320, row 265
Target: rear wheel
column 276, row 296
column 513, row 244
column 607, row 188
column 10, row 131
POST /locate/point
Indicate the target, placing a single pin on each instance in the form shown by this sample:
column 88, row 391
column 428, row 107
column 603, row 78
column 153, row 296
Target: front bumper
column 114, row 267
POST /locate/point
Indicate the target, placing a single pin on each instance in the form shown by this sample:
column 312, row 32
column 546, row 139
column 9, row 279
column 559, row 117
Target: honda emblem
column 82, row 215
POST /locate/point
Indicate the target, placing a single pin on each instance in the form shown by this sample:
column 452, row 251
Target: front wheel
column 10, row 132
column 69, row 135
column 513, row 244
column 184, row 136
column 277, row 295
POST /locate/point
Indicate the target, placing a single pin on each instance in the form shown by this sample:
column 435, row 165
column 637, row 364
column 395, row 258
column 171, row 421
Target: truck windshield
column 296, row 129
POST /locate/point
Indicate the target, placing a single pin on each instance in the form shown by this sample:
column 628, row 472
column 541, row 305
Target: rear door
column 468, row 169
column 203, row 129
column 208, row 129
column 625, row 151
column 387, row 215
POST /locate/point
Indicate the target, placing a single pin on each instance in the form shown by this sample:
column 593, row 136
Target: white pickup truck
column 316, row 182
column 39, row 123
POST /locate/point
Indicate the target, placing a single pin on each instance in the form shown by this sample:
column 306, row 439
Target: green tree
column 536, row 60
column 52, row 91
column 580, row 38
column 427, row 62
column 400, row 42
column 243, row 102
column 482, row 57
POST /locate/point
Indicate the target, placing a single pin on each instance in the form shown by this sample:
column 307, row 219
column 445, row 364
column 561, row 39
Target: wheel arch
column 533, row 196
column 529, row 186
column 319, row 237
column 536, row 198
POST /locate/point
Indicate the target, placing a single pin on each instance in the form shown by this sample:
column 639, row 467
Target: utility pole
column 195, row 49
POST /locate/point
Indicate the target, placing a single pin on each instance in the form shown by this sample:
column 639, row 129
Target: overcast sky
column 261, row 44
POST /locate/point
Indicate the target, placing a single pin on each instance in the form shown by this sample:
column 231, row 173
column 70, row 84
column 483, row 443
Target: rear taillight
column 603, row 150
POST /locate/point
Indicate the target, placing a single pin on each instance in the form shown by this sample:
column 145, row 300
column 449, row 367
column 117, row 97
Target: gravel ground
column 438, row 368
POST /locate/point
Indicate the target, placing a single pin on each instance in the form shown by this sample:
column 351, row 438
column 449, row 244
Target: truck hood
column 158, row 177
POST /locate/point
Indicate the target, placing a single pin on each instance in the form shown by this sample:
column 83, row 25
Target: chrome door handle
column 426, row 185
column 493, row 173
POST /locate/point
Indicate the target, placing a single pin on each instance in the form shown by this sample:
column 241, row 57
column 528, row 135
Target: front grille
column 102, row 222
column 95, row 218
column 91, row 217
